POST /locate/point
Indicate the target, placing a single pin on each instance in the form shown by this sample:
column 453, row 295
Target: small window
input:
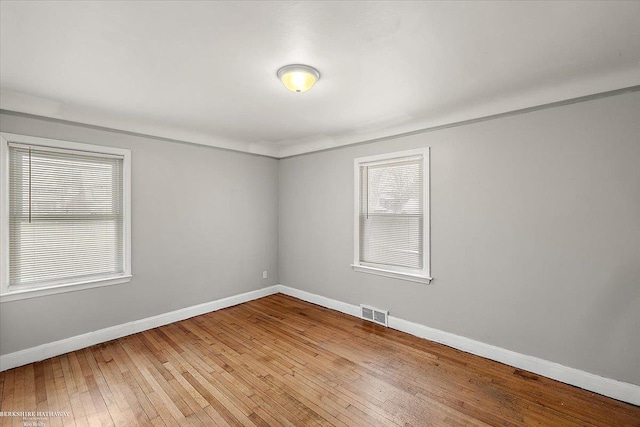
column 65, row 216
column 392, row 215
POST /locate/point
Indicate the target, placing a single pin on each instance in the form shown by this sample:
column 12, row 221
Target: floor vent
column 376, row 315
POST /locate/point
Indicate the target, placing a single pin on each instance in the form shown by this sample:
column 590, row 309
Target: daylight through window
column 66, row 216
column 392, row 214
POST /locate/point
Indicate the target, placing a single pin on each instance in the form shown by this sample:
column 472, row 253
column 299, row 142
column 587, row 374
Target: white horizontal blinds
column 65, row 215
column 391, row 213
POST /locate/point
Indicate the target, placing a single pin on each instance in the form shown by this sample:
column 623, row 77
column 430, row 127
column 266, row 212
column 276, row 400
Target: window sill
column 392, row 274
column 18, row 294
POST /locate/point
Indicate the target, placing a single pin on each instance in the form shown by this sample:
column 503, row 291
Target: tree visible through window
column 391, row 213
column 67, row 216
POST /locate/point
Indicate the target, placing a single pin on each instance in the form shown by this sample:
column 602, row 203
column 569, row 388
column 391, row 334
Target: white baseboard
column 625, row 392
column 56, row 348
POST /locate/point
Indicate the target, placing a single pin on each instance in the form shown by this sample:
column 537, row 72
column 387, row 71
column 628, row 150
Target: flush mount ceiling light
column 298, row 78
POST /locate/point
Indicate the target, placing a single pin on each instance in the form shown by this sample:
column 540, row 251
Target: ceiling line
column 125, row 132
column 570, row 101
column 519, row 111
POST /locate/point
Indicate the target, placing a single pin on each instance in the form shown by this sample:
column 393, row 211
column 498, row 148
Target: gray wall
column 535, row 233
column 204, row 227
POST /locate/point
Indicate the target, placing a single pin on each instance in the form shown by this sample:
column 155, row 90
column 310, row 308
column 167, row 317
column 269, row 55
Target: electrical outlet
column 264, row 274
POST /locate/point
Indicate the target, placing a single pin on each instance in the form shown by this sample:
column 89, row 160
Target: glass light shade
column 298, row 78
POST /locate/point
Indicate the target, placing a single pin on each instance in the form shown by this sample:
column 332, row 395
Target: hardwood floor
column 282, row 361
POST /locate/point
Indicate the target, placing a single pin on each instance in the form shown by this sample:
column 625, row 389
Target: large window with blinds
column 392, row 215
column 66, row 221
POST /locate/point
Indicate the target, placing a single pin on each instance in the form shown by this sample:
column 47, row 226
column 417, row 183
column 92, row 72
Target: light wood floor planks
column 281, row 361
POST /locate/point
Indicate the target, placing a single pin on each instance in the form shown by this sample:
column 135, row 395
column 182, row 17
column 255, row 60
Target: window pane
column 65, row 216
column 393, row 189
column 391, row 240
column 391, row 213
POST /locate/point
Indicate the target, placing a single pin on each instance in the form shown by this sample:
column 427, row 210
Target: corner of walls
column 616, row 389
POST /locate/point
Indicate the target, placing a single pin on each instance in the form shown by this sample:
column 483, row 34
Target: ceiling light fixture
column 298, row 78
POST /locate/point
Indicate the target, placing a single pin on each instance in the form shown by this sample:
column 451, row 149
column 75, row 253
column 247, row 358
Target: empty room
column 319, row 213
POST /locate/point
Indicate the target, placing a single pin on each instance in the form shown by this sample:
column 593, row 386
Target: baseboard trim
column 625, row 392
column 56, row 348
column 619, row 390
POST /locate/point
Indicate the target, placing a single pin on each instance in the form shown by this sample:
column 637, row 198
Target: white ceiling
column 205, row 72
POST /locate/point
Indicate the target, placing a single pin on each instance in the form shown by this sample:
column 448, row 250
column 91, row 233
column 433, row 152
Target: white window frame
column 11, row 293
column 414, row 275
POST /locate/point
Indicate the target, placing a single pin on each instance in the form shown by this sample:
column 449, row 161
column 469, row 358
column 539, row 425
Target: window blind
column 65, row 215
column 391, row 213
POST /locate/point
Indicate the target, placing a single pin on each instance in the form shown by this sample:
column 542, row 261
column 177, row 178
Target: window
column 65, row 216
column 392, row 215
